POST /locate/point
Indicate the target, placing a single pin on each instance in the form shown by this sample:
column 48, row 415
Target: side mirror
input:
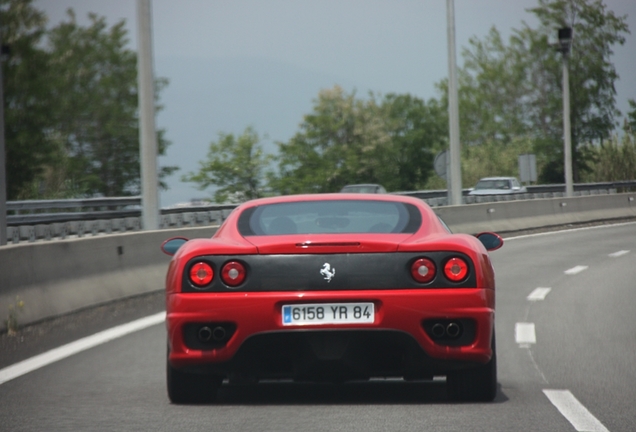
column 491, row 241
column 171, row 246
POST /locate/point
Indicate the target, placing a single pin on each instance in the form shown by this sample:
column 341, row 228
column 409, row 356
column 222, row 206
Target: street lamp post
column 3, row 164
column 565, row 42
column 147, row 132
column 454, row 174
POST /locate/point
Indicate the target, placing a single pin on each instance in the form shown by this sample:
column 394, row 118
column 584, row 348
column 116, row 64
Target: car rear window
column 328, row 217
column 493, row 184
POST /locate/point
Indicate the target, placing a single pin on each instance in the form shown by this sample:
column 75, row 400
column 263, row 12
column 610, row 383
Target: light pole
column 147, row 132
column 454, row 176
column 3, row 164
column 565, row 42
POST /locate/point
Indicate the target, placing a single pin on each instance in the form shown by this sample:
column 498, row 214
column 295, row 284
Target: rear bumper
column 256, row 319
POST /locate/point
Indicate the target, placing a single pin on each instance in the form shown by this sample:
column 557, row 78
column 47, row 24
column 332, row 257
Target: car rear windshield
column 493, row 184
column 328, row 217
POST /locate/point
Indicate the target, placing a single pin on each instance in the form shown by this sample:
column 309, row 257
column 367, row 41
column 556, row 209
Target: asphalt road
column 567, row 361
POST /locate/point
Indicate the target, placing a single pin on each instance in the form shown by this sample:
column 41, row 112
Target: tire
column 477, row 384
column 184, row 388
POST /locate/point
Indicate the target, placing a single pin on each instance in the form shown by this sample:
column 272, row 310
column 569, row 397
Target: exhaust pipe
column 453, row 330
column 438, row 330
column 219, row 333
column 205, row 334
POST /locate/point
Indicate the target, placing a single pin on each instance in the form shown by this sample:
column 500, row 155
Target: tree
column 630, row 121
column 592, row 74
column 613, row 160
column 70, row 107
column 29, row 149
column 346, row 140
column 93, row 78
column 417, row 130
column 514, row 90
column 334, row 146
column 235, row 165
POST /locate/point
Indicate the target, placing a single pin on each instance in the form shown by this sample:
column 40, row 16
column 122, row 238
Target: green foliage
column 417, row 130
column 346, row 140
column 514, row 90
column 235, row 165
column 12, row 318
column 630, row 121
column 493, row 158
column 70, row 107
column 592, row 74
column 613, row 160
column 94, row 84
column 26, row 95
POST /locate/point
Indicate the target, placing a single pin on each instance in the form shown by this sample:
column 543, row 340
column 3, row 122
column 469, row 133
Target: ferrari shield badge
column 328, row 272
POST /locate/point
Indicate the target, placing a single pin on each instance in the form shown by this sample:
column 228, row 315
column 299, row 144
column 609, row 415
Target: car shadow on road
column 371, row 392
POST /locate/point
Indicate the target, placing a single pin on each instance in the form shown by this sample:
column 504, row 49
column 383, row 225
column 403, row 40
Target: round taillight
column 201, row 274
column 233, row 273
column 456, row 269
column 423, row 270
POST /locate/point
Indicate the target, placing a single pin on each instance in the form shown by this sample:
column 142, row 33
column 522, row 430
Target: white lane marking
column 574, row 411
column 619, row 253
column 575, row 270
column 524, row 334
column 539, row 294
column 29, row 365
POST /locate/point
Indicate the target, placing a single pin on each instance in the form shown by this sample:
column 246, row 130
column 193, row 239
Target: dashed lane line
column 524, row 334
column 539, row 294
column 56, row 354
column 619, row 253
column 575, row 270
column 574, row 411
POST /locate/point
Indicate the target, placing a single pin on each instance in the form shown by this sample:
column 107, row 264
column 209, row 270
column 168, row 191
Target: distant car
column 331, row 287
column 363, row 188
column 498, row 186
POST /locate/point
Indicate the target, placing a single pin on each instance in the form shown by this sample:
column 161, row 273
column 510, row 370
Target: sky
column 233, row 64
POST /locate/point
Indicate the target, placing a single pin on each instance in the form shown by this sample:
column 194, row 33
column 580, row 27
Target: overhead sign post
column 527, row 168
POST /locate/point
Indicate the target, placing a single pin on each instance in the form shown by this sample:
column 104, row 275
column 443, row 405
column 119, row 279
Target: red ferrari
column 331, row 287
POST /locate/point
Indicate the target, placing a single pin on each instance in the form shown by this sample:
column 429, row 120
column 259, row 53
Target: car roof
column 333, row 197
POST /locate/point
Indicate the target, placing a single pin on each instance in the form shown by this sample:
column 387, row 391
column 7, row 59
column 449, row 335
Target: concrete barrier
column 538, row 213
column 58, row 277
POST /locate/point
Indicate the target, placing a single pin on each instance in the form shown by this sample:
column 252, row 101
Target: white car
column 498, row 186
column 364, row 188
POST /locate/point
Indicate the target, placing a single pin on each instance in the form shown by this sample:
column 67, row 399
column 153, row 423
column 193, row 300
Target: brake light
column 201, row 274
column 456, row 269
column 423, row 270
column 233, row 273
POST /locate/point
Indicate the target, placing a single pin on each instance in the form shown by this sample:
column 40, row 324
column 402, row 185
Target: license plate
column 328, row 313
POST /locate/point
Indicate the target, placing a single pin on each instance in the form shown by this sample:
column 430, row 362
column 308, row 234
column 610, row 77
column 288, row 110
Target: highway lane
column 585, row 339
column 585, row 326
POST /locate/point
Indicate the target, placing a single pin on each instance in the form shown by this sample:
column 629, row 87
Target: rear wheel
column 478, row 384
column 184, row 387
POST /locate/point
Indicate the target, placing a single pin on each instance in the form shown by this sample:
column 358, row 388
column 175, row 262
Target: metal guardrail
column 47, row 219
column 621, row 186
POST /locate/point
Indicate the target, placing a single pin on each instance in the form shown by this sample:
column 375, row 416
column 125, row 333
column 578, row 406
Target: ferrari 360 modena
column 335, row 288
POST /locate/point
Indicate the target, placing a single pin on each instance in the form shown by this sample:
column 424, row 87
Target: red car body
column 331, row 300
